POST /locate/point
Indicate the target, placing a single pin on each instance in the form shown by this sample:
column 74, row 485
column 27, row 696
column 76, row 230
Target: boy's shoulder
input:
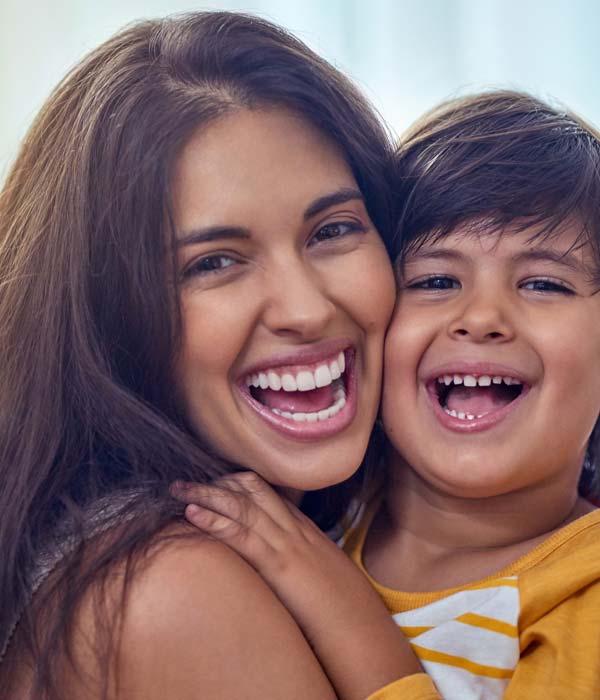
column 564, row 567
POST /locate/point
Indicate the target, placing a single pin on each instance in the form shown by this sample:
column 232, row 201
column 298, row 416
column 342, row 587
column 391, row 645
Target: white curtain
column 406, row 54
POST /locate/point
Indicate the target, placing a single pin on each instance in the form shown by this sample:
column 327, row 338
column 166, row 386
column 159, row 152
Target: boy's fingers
column 234, row 534
column 264, row 495
column 238, row 494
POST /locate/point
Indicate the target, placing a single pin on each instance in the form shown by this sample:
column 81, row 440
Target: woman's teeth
column 339, row 396
column 304, row 380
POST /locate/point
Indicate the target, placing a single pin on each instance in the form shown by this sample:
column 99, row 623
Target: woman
column 192, row 220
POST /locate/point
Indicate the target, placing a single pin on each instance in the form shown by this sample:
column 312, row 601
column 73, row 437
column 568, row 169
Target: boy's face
column 492, row 362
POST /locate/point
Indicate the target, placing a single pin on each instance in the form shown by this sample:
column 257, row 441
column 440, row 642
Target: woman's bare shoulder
column 200, row 622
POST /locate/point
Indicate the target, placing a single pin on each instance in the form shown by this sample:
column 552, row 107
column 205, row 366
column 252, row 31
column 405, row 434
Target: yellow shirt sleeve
column 560, row 625
column 419, row 686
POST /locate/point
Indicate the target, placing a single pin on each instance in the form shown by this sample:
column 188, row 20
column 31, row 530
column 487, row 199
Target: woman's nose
column 482, row 319
column 299, row 303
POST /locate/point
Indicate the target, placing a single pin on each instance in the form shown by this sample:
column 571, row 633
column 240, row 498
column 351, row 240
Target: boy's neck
column 424, row 539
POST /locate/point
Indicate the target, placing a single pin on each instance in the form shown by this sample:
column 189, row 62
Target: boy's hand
column 353, row 635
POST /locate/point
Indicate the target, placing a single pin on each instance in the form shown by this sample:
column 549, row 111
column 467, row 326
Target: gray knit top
column 100, row 517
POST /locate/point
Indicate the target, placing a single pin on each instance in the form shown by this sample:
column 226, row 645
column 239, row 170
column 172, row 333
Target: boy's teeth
column 336, row 407
column 472, row 380
column 461, row 415
column 304, row 380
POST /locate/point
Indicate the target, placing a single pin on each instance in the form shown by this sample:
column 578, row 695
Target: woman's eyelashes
column 210, row 265
column 218, row 265
column 335, row 231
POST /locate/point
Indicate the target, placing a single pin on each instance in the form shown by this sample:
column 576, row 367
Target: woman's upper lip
column 301, row 356
column 491, row 369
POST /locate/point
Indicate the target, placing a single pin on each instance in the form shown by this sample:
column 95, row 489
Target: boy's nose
column 482, row 320
column 298, row 303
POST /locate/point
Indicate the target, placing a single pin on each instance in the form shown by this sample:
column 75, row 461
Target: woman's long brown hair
column 88, row 307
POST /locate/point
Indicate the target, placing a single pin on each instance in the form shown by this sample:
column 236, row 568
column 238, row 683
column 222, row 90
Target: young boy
column 483, row 548
column 483, row 541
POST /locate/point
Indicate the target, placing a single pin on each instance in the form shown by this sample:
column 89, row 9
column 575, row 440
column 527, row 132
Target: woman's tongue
column 297, row 401
column 476, row 400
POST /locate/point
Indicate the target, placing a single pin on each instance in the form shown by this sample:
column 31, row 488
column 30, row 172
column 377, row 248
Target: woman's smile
column 286, row 291
column 306, row 401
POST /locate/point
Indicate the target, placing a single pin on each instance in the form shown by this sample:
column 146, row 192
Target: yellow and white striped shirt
column 528, row 632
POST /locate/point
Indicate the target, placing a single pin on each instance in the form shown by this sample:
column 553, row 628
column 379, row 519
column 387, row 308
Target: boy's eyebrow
column 435, row 254
column 214, row 233
column 565, row 258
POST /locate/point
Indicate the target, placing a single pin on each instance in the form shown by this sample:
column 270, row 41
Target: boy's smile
column 492, row 373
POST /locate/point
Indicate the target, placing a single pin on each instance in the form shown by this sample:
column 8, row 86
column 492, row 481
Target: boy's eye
column 209, row 264
column 335, row 230
column 546, row 286
column 435, row 283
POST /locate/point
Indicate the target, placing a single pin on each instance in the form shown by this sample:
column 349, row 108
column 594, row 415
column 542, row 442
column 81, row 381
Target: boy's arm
column 363, row 652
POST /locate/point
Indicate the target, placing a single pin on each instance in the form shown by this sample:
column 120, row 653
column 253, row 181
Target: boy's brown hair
column 496, row 159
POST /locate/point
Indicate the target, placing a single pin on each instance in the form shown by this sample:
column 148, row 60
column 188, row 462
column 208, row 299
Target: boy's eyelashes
column 548, row 286
column 443, row 282
column 434, row 283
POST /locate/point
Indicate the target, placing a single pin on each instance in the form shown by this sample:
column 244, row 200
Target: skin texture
column 200, row 623
column 294, row 280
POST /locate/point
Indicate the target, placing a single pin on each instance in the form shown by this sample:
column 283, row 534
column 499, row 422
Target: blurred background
column 405, row 54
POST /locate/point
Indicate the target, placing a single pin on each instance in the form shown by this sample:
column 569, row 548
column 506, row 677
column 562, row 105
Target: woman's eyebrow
column 214, row 233
column 209, row 234
column 345, row 194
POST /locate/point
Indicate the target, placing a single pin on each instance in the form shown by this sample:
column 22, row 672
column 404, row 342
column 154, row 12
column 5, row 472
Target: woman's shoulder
column 198, row 620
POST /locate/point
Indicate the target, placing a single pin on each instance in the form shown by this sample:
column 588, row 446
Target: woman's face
column 286, row 291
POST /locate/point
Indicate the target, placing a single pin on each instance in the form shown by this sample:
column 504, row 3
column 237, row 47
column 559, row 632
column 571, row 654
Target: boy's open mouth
column 468, row 396
column 312, row 394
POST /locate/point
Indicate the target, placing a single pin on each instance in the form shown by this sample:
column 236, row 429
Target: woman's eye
column 209, row 264
column 435, row 283
column 547, row 286
column 336, row 230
